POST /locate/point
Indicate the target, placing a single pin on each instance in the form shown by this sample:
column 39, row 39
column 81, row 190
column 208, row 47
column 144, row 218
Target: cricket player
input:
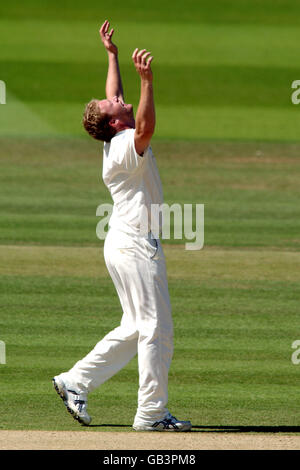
column 134, row 257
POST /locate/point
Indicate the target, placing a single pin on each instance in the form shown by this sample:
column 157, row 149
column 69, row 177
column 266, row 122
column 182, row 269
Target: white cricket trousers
column 138, row 270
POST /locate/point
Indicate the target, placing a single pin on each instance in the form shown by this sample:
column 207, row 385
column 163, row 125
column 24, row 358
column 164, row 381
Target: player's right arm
column 113, row 85
column 145, row 116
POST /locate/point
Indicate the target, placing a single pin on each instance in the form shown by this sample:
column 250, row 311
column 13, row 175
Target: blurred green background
column 227, row 136
column 222, row 70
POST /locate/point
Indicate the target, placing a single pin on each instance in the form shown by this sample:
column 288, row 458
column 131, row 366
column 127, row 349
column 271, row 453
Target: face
column 117, row 110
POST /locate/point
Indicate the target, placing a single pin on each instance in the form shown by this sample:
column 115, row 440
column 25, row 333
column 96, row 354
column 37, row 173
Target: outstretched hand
column 106, row 37
column 142, row 61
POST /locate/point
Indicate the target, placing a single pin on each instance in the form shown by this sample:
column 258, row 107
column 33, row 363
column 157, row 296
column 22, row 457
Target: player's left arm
column 113, row 85
column 145, row 116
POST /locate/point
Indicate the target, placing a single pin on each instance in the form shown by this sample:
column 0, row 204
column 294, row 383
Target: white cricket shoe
column 75, row 402
column 168, row 423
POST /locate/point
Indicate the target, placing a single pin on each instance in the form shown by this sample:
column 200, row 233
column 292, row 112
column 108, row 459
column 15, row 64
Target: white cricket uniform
column 136, row 264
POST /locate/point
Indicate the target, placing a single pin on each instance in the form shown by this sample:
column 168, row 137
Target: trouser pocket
column 151, row 245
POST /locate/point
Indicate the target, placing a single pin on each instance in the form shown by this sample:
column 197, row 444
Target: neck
column 128, row 125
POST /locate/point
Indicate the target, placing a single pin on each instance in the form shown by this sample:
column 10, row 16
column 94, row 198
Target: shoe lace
column 168, row 420
column 79, row 402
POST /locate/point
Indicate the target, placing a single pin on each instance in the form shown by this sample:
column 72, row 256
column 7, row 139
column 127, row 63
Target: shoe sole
column 64, row 399
column 151, row 429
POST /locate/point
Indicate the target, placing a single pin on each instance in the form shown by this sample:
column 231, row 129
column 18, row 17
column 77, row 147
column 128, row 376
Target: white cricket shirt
column 133, row 182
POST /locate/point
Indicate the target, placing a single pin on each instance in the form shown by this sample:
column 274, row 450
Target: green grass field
column 227, row 137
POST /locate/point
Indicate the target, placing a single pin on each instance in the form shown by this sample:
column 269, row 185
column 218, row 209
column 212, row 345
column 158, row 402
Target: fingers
column 149, row 62
column 104, row 30
column 142, row 58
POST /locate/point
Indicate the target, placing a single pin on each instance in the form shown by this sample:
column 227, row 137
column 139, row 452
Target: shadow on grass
column 224, row 429
column 262, row 429
column 109, row 426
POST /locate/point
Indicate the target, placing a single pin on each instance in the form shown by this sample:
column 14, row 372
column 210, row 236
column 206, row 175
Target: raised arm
column 114, row 85
column 145, row 116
